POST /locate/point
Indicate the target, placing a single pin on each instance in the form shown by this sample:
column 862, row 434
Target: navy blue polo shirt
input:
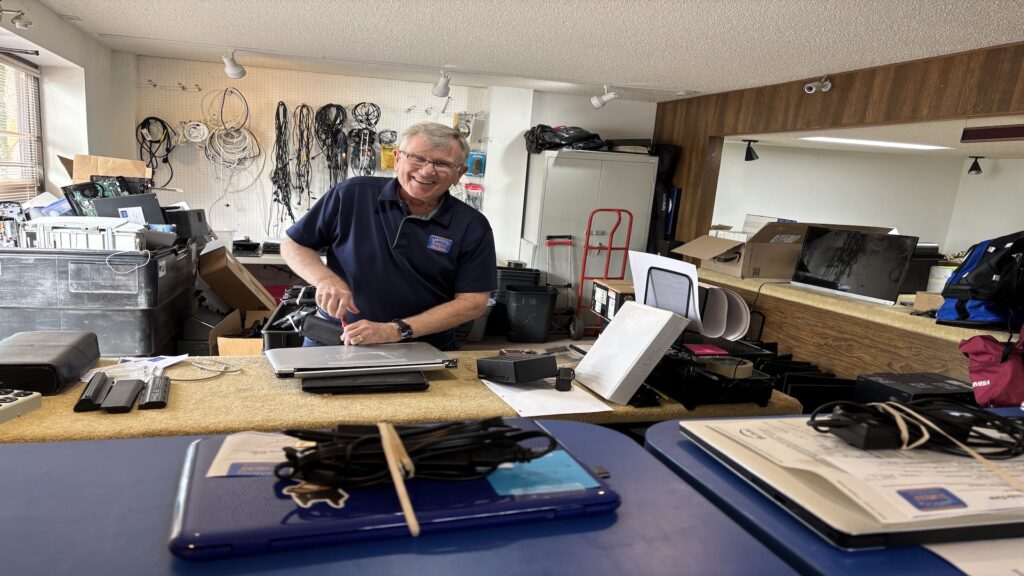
column 397, row 264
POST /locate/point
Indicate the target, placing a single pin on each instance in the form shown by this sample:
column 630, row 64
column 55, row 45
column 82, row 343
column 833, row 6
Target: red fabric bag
column 996, row 369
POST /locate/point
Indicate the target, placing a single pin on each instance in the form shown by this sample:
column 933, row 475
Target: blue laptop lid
column 221, row 517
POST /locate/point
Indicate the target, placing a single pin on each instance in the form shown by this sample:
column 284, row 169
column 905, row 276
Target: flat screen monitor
column 864, row 265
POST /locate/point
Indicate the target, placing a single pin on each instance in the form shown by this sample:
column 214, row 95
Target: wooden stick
column 401, row 466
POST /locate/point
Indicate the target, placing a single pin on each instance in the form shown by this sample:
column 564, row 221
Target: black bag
column 542, row 137
column 988, row 287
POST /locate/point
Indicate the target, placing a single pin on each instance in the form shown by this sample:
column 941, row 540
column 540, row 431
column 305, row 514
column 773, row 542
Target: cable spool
column 193, row 132
column 156, row 141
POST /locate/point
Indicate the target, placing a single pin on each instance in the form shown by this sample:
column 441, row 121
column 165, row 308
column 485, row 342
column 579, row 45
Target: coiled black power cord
column 156, row 142
column 281, row 177
column 330, row 136
column 353, row 456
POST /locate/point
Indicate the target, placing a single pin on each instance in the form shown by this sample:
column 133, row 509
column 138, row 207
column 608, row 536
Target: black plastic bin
column 497, row 322
column 529, row 310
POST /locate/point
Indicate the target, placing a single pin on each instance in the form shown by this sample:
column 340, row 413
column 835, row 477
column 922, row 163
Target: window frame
column 19, row 190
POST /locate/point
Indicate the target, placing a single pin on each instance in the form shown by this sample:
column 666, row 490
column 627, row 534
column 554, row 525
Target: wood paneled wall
column 985, row 82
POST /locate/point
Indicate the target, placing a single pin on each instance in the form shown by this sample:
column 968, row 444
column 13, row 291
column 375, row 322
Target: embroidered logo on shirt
column 439, row 244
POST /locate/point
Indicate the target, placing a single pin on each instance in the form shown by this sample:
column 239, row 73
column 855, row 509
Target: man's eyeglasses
column 418, row 161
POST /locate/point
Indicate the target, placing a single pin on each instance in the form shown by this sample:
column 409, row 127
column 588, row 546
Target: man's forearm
column 465, row 307
column 304, row 261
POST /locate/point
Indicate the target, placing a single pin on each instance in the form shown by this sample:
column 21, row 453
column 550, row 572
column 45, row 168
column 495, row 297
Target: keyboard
column 14, row 403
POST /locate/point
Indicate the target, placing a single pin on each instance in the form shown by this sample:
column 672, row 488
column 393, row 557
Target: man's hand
column 364, row 332
column 334, row 297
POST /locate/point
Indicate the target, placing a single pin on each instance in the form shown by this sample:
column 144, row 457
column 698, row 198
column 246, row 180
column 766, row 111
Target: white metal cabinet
column 562, row 189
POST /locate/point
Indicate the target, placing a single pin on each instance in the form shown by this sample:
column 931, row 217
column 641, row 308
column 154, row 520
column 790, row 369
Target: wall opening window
column 21, row 157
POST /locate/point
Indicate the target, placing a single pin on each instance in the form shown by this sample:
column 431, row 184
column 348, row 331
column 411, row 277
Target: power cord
column 281, row 178
column 156, row 140
column 329, row 127
column 353, row 456
column 302, row 132
column 106, row 261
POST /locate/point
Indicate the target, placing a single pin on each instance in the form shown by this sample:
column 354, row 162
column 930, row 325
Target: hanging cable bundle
column 302, row 134
column 330, row 136
column 387, row 137
column 281, row 177
column 156, row 141
column 231, row 147
column 363, row 157
column 353, row 456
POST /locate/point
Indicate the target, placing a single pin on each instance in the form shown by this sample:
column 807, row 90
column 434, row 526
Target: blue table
column 766, row 520
column 104, row 507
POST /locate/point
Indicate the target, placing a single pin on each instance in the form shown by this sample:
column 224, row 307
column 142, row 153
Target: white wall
column 84, row 111
column 913, row 193
column 618, row 119
column 987, row 205
column 509, row 111
column 242, row 203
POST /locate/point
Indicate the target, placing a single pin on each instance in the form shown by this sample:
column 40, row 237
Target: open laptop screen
column 864, row 265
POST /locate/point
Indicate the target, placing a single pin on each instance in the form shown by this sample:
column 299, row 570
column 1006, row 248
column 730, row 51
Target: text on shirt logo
column 439, row 244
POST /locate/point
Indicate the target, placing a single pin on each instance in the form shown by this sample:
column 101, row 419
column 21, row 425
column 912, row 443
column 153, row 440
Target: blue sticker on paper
column 439, row 244
column 928, row 499
column 555, row 472
column 251, row 469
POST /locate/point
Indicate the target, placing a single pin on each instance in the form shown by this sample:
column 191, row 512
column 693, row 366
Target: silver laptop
column 324, row 361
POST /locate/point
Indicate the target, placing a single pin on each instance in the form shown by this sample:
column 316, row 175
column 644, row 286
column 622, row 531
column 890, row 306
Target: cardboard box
column 232, row 282
column 83, row 166
column 224, row 339
column 243, row 292
column 925, row 301
column 770, row 253
column 608, row 296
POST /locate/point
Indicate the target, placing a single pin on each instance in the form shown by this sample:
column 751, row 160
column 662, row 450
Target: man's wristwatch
column 404, row 330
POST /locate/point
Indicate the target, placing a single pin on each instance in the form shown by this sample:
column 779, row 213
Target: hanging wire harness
column 281, row 178
column 330, row 136
column 156, row 142
column 302, row 140
column 363, row 157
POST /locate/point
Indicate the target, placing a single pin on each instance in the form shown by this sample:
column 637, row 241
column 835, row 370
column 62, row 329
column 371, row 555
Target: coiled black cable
column 387, row 137
column 281, row 177
column 366, row 114
column 156, row 141
column 302, row 131
column 330, row 136
column 352, row 456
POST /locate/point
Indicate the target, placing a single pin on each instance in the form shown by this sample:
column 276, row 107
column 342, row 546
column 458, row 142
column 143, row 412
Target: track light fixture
column 441, row 87
column 975, row 168
column 231, row 67
column 600, row 100
column 824, row 85
column 18, row 18
column 750, row 155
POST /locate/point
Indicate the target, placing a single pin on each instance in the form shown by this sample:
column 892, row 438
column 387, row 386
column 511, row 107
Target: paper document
column 892, row 485
column 1002, row 557
column 251, row 454
column 541, row 399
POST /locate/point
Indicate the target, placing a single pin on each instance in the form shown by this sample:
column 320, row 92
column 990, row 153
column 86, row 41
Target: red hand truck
column 577, row 326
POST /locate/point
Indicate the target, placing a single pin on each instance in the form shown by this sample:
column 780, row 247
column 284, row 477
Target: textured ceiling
column 646, row 49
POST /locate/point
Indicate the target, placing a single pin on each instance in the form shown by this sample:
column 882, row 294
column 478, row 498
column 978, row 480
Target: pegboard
column 246, row 212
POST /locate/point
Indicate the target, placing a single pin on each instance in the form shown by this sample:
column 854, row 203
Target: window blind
column 21, row 163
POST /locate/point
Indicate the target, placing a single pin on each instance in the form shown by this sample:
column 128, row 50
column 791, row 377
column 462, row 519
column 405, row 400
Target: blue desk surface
column 105, row 508
column 783, row 533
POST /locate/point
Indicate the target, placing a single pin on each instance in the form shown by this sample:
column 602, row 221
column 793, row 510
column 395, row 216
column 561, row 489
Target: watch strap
column 404, row 330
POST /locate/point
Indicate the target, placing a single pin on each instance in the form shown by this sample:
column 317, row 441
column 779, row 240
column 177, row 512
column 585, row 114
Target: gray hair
column 439, row 136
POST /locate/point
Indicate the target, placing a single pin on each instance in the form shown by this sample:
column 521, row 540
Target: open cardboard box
column 84, row 166
column 770, row 253
column 242, row 291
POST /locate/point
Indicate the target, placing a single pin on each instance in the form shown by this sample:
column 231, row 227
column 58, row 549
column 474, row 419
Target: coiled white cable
column 194, row 132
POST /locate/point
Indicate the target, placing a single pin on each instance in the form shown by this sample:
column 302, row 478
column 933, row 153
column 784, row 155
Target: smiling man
column 405, row 259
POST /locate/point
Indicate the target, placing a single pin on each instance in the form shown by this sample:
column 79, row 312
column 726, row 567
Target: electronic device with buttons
column 14, row 403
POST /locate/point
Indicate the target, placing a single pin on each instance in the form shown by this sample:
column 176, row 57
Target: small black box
column 517, row 369
column 46, row 362
column 188, row 223
column 911, row 386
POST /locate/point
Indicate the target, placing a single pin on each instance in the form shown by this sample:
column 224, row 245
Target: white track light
column 602, row 99
column 441, row 88
column 231, row 67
